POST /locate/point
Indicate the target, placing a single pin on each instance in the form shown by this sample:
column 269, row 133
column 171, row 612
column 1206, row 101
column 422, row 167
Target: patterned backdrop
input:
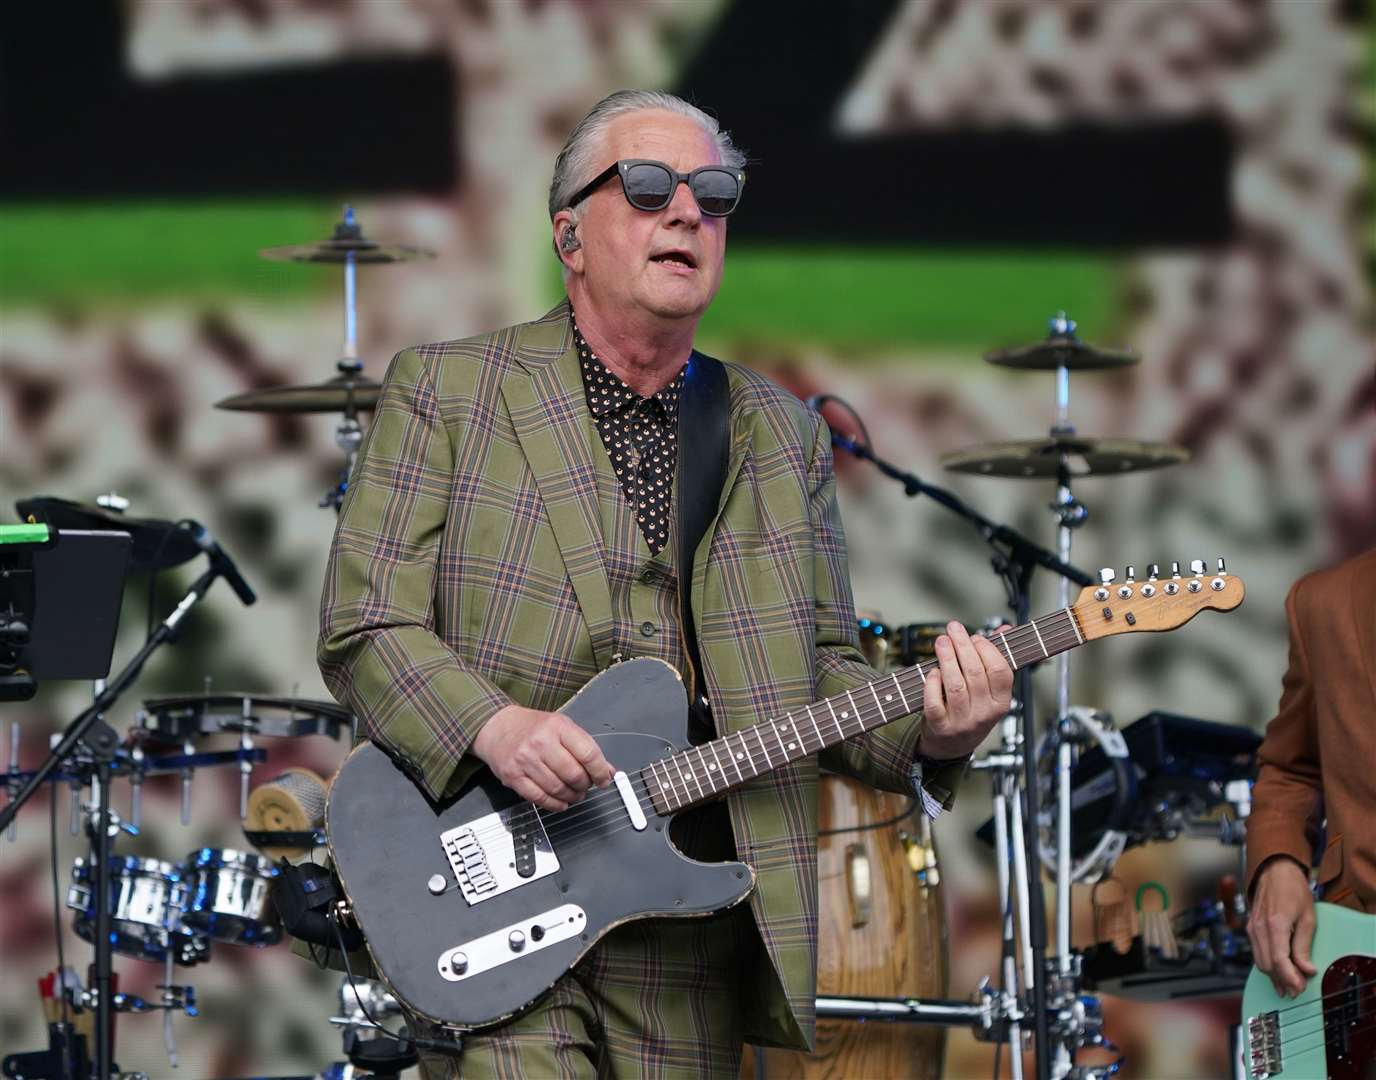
column 126, row 312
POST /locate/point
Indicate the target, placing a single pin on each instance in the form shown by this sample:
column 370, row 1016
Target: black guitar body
column 591, row 870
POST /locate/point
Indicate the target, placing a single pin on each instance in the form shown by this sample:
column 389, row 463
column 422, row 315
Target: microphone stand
column 1014, row 560
column 103, row 743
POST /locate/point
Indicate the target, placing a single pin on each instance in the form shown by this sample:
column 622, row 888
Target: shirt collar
column 608, row 393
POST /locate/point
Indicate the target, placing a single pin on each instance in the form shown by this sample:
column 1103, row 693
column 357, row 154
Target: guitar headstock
column 1157, row 602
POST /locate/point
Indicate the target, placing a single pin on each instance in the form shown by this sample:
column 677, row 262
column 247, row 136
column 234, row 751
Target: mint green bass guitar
column 1330, row 1029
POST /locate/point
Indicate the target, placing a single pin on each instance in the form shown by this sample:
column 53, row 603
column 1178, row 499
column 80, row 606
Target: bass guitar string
column 1288, row 1035
column 1023, row 635
column 1309, row 1004
column 1356, row 1029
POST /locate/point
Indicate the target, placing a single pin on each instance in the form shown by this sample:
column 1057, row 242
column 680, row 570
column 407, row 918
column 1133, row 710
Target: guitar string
column 596, row 804
column 1307, row 1004
column 1355, row 1029
column 1055, row 639
column 569, row 829
column 1289, row 1036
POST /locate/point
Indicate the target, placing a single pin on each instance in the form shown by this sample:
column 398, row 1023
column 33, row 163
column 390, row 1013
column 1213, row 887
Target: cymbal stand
column 1015, row 559
column 348, row 433
column 1004, row 767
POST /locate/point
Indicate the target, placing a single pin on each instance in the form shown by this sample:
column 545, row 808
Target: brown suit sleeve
column 1287, row 801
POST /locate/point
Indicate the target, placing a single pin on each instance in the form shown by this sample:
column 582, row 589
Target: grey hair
column 575, row 165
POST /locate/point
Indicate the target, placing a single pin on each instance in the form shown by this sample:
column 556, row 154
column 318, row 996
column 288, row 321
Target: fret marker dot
column 710, row 766
column 888, row 697
column 844, row 714
column 740, row 757
column 666, row 787
column 793, row 746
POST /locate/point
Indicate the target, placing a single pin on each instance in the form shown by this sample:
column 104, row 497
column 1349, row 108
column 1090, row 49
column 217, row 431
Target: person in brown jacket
column 1318, row 761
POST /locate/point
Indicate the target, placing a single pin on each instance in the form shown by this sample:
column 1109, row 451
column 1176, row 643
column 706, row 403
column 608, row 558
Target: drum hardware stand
column 90, row 729
column 1015, row 559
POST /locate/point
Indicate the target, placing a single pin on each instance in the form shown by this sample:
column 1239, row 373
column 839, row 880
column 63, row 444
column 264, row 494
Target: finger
column 970, row 661
column 1303, row 943
column 1261, row 948
column 550, row 784
column 998, row 675
column 567, row 768
column 1283, row 973
column 530, row 791
column 934, row 699
column 956, row 695
column 584, row 747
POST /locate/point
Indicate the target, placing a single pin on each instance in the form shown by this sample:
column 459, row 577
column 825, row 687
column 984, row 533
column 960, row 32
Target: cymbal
column 1059, row 351
column 347, row 241
column 158, row 545
column 1036, row 459
column 350, row 392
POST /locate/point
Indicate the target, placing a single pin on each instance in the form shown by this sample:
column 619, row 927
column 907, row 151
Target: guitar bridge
column 1264, row 1040
column 499, row 852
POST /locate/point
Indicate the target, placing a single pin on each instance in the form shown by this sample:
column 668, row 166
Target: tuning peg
column 1198, row 566
column 1132, row 574
column 1106, row 575
column 1221, row 568
column 1175, row 569
column 1153, row 572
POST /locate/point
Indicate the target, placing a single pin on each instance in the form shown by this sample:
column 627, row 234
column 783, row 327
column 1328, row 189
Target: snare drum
column 145, row 910
column 228, row 896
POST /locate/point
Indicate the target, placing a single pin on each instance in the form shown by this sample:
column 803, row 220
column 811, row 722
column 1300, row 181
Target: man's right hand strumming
column 1281, row 925
column 544, row 757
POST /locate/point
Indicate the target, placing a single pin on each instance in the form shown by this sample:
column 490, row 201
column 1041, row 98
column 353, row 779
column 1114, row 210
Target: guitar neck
column 702, row 772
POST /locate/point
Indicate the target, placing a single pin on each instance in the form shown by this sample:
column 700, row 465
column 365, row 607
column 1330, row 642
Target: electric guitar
column 1330, row 1029
column 474, row 906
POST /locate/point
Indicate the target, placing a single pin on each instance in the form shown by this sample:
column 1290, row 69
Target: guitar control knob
column 435, row 884
column 517, row 940
column 458, row 963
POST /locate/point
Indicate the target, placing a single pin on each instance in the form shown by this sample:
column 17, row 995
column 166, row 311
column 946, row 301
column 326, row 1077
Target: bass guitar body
column 1330, row 1029
column 474, row 907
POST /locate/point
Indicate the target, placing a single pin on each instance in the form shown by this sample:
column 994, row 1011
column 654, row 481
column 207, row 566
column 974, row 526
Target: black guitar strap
column 704, row 415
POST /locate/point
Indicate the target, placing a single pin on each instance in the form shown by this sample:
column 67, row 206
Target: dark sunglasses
column 650, row 185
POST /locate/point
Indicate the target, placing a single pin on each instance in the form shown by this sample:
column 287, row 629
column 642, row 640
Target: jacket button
column 648, row 629
column 650, row 576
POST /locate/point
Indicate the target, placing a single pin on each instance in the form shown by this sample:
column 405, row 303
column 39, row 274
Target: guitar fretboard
column 701, row 772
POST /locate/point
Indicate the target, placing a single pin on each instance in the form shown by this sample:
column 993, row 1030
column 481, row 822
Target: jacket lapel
column 544, row 396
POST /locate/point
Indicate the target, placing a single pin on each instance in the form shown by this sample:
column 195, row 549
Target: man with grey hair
column 514, row 526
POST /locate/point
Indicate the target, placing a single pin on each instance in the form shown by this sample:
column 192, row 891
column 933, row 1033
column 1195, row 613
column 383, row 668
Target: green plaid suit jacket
column 466, row 573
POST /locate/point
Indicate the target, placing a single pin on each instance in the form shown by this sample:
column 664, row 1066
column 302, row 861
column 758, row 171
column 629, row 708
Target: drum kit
column 882, row 935
column 171, row 913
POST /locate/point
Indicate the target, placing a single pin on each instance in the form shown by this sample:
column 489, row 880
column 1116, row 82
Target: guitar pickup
column 496, row 853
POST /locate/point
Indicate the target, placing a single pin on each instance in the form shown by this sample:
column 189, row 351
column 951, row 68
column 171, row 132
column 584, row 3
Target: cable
column 912, row 805
column 404, row 1041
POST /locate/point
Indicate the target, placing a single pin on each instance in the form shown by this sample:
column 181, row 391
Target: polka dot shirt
column 641, row 437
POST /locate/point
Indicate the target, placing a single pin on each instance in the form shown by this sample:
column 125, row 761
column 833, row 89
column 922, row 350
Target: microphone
column 220, row 560
column 841, row 442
